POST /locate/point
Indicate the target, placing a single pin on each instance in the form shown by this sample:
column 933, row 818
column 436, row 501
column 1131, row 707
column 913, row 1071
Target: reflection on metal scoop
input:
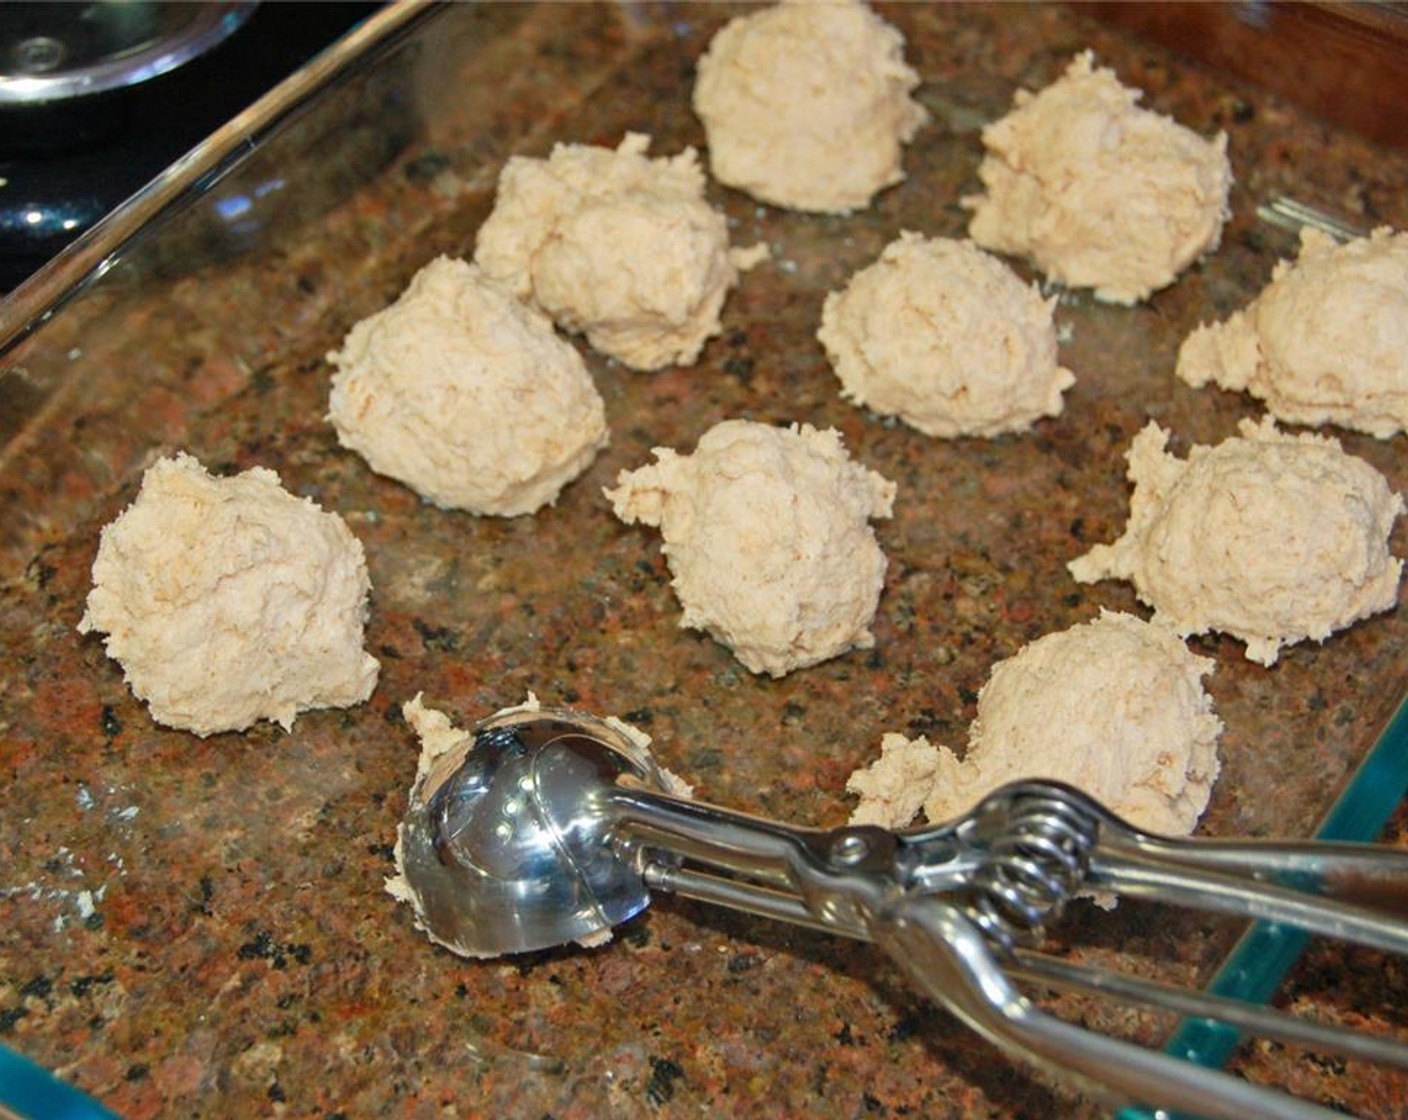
column 549, row 827
column 511, row 849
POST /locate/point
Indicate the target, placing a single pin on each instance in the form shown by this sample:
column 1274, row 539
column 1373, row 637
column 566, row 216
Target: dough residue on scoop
column 443, row 749
column 1097, row 192
column 947, row 338
column 1115, row 707
column 617, row 246
column 807, row 105
column 1269, row 537
column 466, row 395
column 1325, row 342
column 230, row 600
column 766, row 532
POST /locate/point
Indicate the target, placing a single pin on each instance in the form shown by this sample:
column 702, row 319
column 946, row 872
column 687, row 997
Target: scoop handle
column 1352, row 892
column 951, row 962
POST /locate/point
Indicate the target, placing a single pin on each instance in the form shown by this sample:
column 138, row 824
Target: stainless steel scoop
column 550, row 827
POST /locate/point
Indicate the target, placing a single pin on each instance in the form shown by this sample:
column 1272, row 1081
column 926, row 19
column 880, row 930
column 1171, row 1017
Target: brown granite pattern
column 196, row 928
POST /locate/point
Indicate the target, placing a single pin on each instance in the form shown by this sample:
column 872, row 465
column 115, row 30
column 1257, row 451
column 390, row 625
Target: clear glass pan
column 192, row 920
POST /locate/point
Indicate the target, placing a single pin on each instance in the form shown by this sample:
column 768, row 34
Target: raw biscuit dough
column 443, row 747
column 1115, row 707
column 766, row 533
column 947, row 338
column 467, row 396
column 893, row 788
column 1269, row 537
column 1097, row 192
column 1325, row 342
column 807, row 105
column 616, row 246
column 230, row 600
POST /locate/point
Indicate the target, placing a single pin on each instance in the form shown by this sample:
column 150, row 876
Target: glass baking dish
column 193, row 926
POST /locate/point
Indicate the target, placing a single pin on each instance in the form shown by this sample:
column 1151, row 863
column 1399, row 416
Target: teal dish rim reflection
column 27, row 1089
column 1265, row 953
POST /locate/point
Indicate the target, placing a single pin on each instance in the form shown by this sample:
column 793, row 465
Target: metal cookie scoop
column 553, row 827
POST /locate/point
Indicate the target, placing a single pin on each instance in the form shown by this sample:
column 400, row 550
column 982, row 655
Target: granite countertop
column 197, row 927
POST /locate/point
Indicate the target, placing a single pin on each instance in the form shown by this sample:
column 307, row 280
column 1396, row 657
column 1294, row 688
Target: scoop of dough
column 1269, row 537
column 467, row 396
column 766, row 533
column 1325, row 342
column 807, row 105
column 229, row 600
column 615, row 245
column 1115, row 707
column 1097, row 192
column 443, row 749
column 946, row 337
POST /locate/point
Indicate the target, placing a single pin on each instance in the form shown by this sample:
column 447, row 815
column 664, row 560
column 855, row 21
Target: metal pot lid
column 51, row 52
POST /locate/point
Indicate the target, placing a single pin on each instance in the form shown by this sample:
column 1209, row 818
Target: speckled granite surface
column 197, row 927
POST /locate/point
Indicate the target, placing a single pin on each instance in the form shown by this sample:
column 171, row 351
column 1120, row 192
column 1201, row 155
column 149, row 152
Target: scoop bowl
column 506, row 843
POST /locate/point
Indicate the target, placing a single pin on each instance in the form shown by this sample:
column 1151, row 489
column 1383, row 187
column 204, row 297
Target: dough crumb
column 230, row 600
column 807, row 105
column 892, row 789
column 1326, row 342
column 947, row 338
column 1268, row 537
column 616, row 246
column 1097, row 192
column 766, row 534
column 1115, row 707
column 467, row 396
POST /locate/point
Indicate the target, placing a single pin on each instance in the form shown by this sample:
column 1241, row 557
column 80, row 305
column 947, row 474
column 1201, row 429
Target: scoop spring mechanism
column 1032, row 869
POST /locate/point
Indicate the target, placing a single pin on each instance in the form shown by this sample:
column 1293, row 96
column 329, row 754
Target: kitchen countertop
column 197, row 927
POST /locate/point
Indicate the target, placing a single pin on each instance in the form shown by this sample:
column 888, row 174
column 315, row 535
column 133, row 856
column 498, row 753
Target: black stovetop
column 65, row 164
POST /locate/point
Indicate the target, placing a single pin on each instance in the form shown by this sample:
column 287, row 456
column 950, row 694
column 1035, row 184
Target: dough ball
column 1097, row 192
column 1115, row 707
column 766, row 533
column 1269, row 537
column 1326, row 342
column 467, row 396
column 616, row 246
column 806, row 105
column 947, row 338
column 229, row 600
